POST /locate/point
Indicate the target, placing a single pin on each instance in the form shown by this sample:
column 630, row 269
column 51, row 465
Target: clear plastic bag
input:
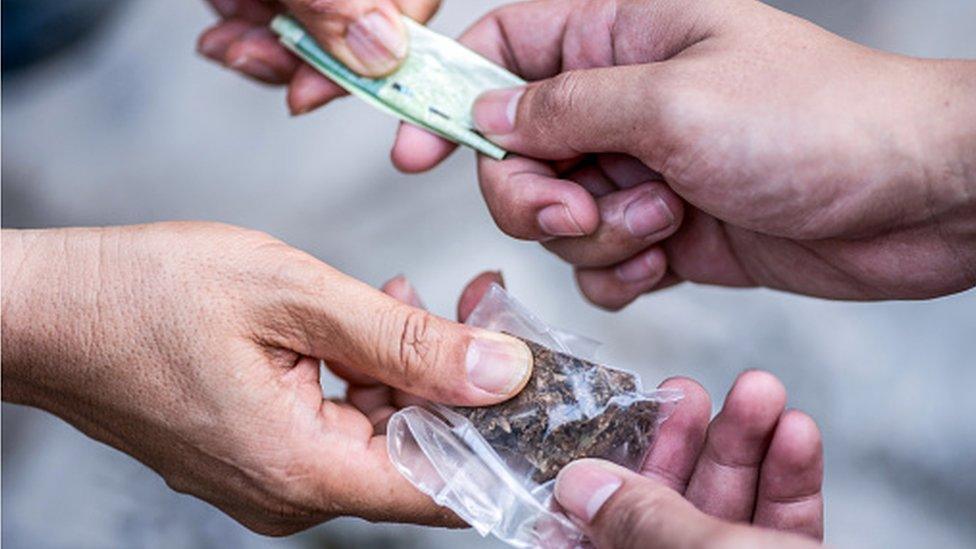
column 495, row 466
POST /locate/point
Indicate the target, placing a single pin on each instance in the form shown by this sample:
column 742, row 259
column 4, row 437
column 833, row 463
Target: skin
column 195, row 348
column 750, row 477
column 242, row 42
column 783, row 156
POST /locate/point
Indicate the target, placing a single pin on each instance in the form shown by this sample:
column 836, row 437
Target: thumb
column 576, row 112
column 368, row 36
column 619, row 509
column 409, row 348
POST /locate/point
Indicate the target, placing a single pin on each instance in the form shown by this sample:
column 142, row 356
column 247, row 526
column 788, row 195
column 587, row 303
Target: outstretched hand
column 195, row 348
column 751, row 475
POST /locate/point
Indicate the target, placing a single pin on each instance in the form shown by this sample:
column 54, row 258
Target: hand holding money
column 723, row 143
column 368, row 36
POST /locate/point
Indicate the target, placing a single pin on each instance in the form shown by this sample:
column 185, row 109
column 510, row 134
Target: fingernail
column 254, row 67
column 497, row 363
column 494, row 111
column 640, row 268
column 647, row 215
column 583, row 487
column 226, row 8
column 556, row 220
column 377, row 42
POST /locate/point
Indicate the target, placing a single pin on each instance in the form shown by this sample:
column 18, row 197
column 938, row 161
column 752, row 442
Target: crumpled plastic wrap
column 495, row 466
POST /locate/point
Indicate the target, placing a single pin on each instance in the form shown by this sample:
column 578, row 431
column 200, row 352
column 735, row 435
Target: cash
column 434, row 88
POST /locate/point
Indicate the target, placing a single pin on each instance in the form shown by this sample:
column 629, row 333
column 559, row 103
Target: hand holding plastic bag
column 494, row 466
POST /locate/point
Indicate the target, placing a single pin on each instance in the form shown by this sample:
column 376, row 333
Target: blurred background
column 110, row 117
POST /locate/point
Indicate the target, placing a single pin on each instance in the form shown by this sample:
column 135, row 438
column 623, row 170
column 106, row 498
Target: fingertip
column 475, row 290
column 797, row 444
column 498, row 367
column 613, row 288
column 679, row 440
column 695, row 401
column 395, row 287
column 757, row 392
column 214, row 41
column 258, row 55
column 401, row 289
column 416, row 150
column 310, row 90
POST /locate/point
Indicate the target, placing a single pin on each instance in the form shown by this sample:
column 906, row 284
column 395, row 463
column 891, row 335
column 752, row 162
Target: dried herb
column 570, row 409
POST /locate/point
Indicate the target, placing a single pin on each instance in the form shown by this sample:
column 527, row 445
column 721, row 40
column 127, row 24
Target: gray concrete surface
column 136, row 128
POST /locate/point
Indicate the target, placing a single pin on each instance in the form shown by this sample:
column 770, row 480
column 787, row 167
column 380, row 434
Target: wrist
column 51, row 281
column 948, row 128
column 951, row 125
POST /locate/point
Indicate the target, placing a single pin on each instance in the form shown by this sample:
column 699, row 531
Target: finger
column 619, row 509
column 791, row 479
column 725, row 480
column 679, row 440
column 475, row 290
column 419, row 10
column 401, row 289
column 604, row 110
column 257, row 12
column 348, row 471
column 631, row 220
column 310, row 90
column 613, row 288
column 591, row 177
column 417, row 150
column 328, row 315
column 258, row 54
column 214, row 42
column 368, row 36
column 527, row 200
column 626, row 171
column 538, row 40
column 369, row 399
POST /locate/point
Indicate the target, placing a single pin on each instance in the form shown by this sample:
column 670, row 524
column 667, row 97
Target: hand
column 195, row 348
column 755, row 463
column 366, row 35
column 751, row 478
column 724, row 142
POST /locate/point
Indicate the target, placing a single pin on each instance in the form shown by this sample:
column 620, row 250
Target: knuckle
column 626, row 520
column 330, row 18
column 555, row 98
column 417, row 350
column 324, row 8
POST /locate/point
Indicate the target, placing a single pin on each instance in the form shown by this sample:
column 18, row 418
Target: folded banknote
column 434, row 88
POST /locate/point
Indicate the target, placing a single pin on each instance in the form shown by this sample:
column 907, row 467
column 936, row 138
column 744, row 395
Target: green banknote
column 434, row 88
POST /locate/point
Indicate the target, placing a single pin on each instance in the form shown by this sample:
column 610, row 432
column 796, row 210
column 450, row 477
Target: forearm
column 50, row 288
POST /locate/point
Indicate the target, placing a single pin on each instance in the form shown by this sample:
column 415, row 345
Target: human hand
column 724, row 142
column 750, row 478
column 366, row 35
column 195, row 348
column 756, row 463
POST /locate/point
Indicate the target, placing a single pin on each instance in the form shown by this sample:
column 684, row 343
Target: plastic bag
column 495, row 466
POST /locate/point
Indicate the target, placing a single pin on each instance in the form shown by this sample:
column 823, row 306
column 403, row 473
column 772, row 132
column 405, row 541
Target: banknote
column 434, row 88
